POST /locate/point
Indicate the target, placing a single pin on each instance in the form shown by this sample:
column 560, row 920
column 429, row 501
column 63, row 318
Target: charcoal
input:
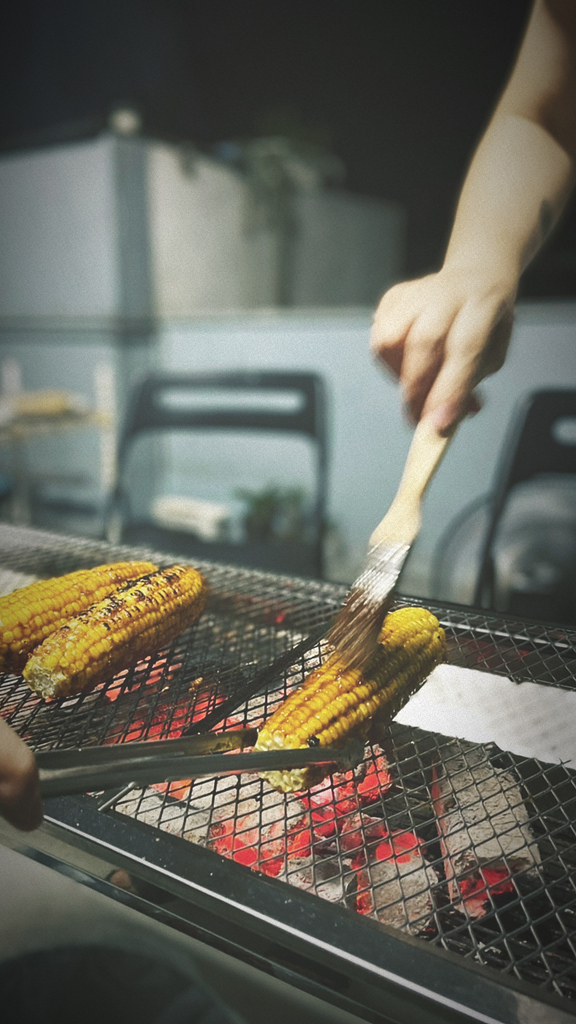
column 154, row 809
column 411, row 883
column 209, row 800
column 398, row 890
column 484, row 828
column 321, row 874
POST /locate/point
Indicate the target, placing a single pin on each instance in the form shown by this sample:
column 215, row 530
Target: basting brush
column 355, row 630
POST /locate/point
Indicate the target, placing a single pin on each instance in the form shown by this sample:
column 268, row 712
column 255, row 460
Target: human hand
column 440, row 336
column 20, row 801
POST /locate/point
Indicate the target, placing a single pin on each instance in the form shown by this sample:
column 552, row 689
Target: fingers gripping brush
column 355, row 630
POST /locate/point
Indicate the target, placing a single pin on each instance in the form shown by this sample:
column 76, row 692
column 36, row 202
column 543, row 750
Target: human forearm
column 523, row 169
column 514, row 193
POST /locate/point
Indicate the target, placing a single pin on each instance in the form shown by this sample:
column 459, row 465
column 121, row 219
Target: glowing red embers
column 324, row 839
column 333, row 800
column 262, row 848
column 476, row 890
column 260, row 830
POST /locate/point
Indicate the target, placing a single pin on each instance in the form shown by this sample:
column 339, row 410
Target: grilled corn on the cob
column 29, row 615
column 335, row 703
column 140, row 617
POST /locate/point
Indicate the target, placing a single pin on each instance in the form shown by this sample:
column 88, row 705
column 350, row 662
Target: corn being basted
column 30, row 614
column 334, row 704
column 138, row 619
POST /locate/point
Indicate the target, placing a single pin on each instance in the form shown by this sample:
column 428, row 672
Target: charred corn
column 29, row 615
column 139, row 618
column 335, row 703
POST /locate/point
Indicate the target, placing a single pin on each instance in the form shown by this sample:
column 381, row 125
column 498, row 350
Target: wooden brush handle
column 401, row 524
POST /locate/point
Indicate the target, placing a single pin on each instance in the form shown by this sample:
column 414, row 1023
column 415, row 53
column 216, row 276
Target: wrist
column 481, row 271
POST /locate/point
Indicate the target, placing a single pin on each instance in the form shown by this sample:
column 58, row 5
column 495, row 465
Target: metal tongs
column 89, row 769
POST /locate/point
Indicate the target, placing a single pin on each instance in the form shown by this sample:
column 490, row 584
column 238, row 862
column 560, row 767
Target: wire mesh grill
column 463, row 845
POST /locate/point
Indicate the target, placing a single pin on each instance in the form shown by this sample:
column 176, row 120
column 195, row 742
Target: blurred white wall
column 120, row 226
column 219, row 246
column 350, row 248
column 203, row 254
column 58, row 223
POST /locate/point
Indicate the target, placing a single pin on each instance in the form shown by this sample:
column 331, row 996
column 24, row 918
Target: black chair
column 268, row 402
column 522, row 536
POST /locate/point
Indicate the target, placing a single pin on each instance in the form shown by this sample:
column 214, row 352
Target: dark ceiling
column 399, row 89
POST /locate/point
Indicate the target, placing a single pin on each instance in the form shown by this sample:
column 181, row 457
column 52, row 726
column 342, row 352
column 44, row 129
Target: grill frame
column 285, row 930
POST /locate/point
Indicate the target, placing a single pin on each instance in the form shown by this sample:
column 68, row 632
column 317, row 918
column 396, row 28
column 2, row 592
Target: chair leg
column 484, row 593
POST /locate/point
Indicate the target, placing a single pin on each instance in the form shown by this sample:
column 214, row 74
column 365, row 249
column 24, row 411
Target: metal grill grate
column 460, row 844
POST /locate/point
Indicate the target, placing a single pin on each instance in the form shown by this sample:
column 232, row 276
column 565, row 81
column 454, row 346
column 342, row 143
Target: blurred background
column 204, row 185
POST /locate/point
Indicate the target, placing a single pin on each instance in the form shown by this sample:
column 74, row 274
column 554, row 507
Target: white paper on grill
column 527, row 719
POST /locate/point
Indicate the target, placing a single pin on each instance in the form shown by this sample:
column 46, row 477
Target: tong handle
column 82, row 769
column 66, row 772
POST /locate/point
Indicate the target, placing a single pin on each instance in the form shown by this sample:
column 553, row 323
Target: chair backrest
column 535, row 446
column 245, row 400
column 149, row 408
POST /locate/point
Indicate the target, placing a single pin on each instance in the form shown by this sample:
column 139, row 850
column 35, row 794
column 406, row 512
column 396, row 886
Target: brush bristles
column 383, row 566
column 355, row 630
column 354, row 633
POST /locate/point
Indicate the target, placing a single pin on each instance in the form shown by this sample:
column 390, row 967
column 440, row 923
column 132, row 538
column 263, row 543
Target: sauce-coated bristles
column 354, row 633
